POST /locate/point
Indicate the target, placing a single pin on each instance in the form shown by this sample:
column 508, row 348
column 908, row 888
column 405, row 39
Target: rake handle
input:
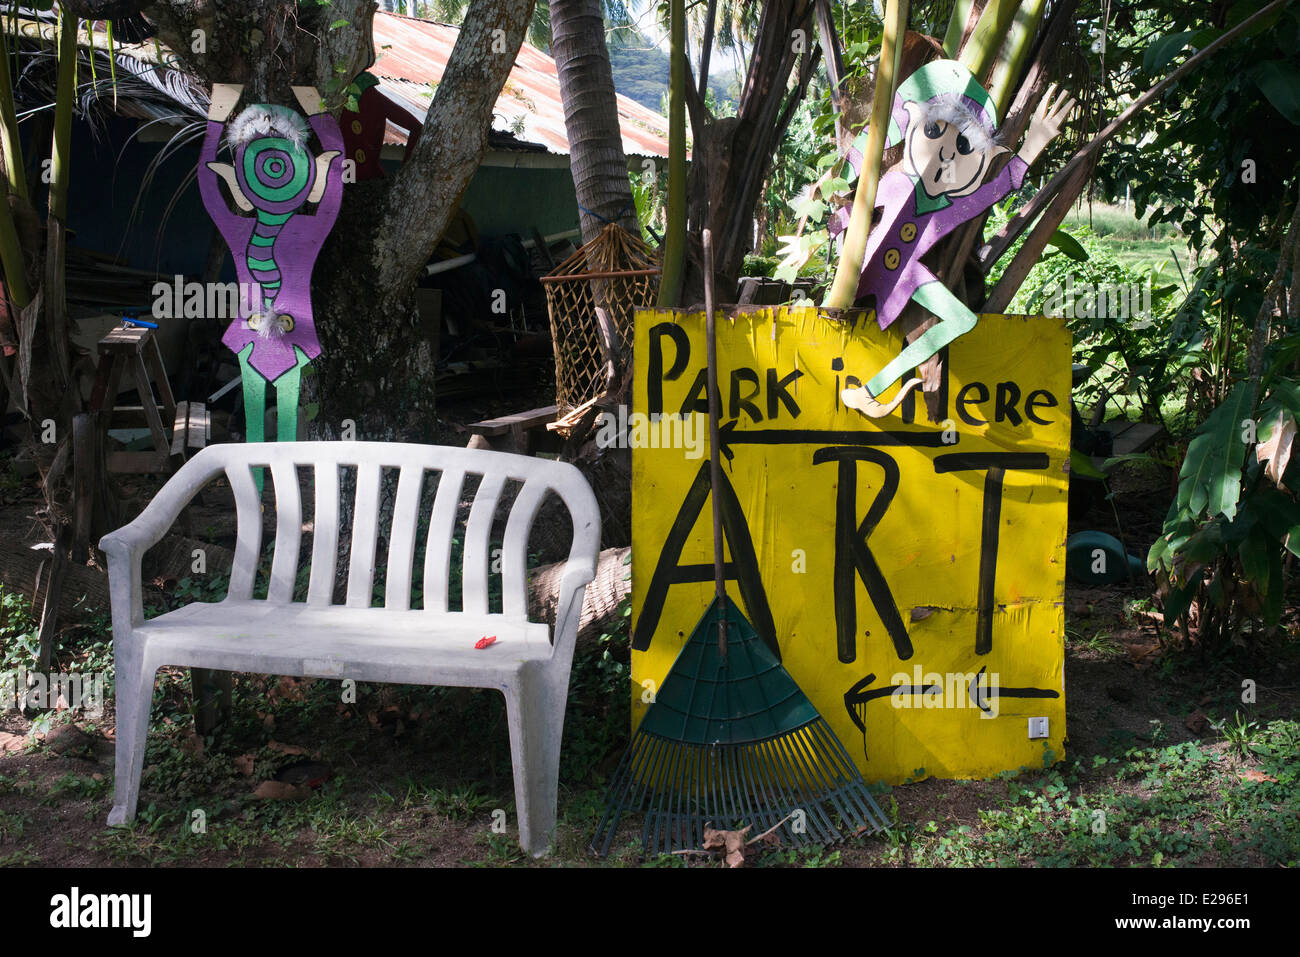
column 715, row 463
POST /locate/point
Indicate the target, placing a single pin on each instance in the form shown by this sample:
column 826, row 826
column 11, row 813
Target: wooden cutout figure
column 946, row 122
column 278, row 205
column 365, row 118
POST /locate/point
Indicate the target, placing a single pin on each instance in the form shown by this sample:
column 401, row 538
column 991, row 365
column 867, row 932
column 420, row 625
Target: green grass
column 1116, row 222
column 1132, row 242
column 1182, row 804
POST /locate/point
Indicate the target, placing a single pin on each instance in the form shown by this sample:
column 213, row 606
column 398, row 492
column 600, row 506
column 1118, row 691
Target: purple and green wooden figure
column 947, row 123
column 279, row 204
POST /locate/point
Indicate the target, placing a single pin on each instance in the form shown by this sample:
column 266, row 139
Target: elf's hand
column 1046, row 123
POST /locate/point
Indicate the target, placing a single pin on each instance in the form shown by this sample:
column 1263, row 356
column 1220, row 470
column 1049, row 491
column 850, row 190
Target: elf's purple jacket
column 892, row 269
column 296, row 248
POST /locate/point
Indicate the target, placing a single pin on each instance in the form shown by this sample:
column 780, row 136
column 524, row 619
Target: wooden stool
column 133, row 350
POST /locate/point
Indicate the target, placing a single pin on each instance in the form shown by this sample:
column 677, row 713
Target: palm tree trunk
column 596, row 155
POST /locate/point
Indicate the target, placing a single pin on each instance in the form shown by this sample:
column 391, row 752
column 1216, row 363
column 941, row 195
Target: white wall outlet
column 1037, row 728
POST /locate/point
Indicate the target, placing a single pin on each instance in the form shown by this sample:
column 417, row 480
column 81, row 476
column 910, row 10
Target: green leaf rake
column 730, row 741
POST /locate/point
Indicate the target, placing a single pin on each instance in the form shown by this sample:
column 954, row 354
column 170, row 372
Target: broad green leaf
column 1081, row 464
column 1180, row 598
column 1210, row 479
column 836, row 184
column 1161, row 51
column 1254, row 552
column 1280, row 515
column 809, row 206
column 1285, row 393
column 1279, row 81
column 1068, row 245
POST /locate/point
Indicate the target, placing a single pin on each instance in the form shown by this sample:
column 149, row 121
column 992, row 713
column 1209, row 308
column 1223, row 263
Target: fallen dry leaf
column 281, row 791
column 244, row 765
column 1196, row 722
column 732, row 843
column 12, row 742
column 1259, row 777
column 285, row 748
column 288, row 688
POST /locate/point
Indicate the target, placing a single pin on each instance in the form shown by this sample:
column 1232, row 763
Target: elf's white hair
column 951, row 109
column 262, row 119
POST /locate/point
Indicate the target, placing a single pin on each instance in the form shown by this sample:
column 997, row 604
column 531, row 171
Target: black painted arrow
column 980, row 696
column 729, row 435
column 860, row 694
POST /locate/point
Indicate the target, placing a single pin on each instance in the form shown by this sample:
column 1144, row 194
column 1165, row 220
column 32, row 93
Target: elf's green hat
column 944, row 82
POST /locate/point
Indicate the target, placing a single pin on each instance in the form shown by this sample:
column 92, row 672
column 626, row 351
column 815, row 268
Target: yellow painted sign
column 909, row 573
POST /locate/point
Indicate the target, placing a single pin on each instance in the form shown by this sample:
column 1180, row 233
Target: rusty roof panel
column 414, row 54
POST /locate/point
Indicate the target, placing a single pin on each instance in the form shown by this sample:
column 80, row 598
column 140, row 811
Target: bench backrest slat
column 514, row 548
column 248, row 546
column 288, row 531
column 457, row 471
column 437, row 551
column 401, row 540
column 478, row 531
column 325, row 535
column 365, row 522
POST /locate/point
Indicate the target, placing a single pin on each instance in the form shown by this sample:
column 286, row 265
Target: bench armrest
column 568, row 611
column 126, row 546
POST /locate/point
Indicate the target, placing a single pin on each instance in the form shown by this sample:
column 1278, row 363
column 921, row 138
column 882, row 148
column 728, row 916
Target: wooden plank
column 141, row 463
column 128, row 340
column 83, row 480
column 179, row 427
column 1131, row 437
column 154, row 363
column 520, row 420
column 127, row 417
column 574, row 415
column 1139, row 438
column 150, row 410
column 103, row 377
column 200, row 426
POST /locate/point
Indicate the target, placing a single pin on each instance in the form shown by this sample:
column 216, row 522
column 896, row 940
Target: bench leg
column 134, row 698
column 535, row 712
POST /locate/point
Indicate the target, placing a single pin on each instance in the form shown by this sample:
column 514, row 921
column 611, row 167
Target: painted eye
column 933, row 131
column 963, row 144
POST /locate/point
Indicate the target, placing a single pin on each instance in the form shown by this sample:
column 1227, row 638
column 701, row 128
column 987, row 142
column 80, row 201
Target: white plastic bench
column 392, row 643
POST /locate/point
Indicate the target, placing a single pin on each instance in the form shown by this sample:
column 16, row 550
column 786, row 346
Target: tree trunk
column 377, row 365
column 596, row 155
column 732, row 156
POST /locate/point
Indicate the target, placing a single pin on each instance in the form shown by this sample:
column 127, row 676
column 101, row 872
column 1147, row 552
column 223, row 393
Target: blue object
column 1095, row 558
column 128, row 320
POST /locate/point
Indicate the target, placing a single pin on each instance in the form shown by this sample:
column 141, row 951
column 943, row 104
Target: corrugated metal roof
column 416, row 52
column 411, row 55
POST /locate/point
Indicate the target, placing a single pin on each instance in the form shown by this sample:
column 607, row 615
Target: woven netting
column 616, row 273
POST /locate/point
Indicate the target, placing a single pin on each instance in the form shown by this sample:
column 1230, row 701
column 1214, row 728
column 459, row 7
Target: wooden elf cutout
column 365, row 118
column 279, row 204
column 946, row 122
